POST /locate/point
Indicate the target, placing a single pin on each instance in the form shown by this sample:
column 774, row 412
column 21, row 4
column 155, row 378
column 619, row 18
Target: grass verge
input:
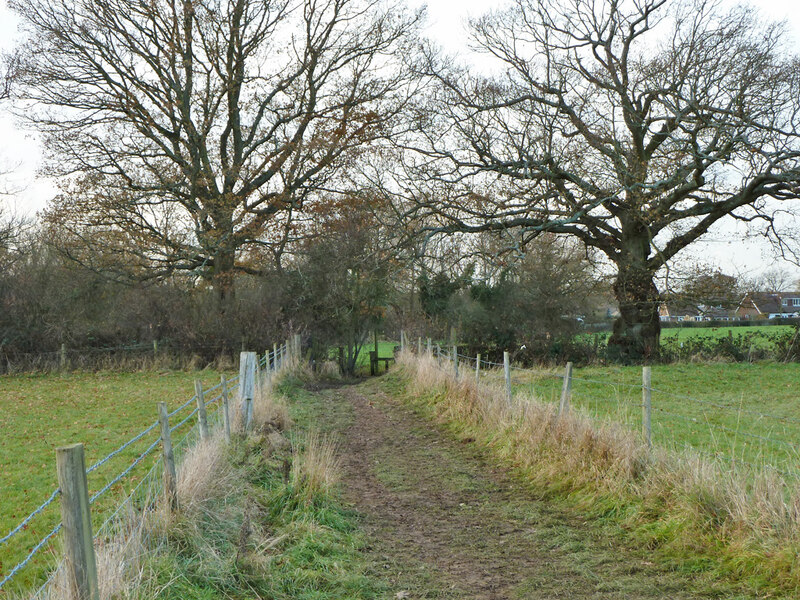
column 259, row 517
column 278, row 533
column 703, row 518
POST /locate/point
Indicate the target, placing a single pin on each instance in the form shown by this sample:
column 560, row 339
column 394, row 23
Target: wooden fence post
column 419, row 346
column 155, row 348
column 455, row 361
column 247, row 373
column 430, row 347
column 646, row 393
column 267, row 370
column 226, row 415
column 478, row 368
column 258, row 377
column 439, row 355
column 566, row 390
column 202, row 421
column 63, row 356
column 76, row 521
column 170, row 478
column 402, row 341
column 507, row 372
column 274, row 356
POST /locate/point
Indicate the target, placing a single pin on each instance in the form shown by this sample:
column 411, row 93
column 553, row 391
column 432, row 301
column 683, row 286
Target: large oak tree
column 189, row 134
column 633, row 125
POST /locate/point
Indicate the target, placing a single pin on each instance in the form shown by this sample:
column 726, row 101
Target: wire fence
column 729, row 431
column 139, row 498
column 136, row 355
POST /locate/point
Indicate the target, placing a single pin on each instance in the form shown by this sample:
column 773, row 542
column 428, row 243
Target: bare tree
column 706, row 286
column 773, row 281
column 9, row 65
column 633, row 125
column 9, row 225
column 190, row 134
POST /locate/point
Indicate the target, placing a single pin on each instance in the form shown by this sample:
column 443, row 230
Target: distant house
column 769, row 305
column 790, row 302
column 669, row 312
column 677, row 312
column 716, row 313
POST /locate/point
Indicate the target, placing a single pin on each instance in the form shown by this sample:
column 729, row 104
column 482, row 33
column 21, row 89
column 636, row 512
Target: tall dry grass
column 270, row 411
column 119, row 559
column 749, row 521
column 205, row 474
column 316, row 466
column 205, row 479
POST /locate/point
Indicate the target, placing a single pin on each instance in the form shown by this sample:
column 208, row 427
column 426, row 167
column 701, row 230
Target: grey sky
column 19, row 148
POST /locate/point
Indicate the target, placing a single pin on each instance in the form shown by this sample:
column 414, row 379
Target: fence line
column 91, row 357
column 269, row 361
column 660, row 391
column 698, row 424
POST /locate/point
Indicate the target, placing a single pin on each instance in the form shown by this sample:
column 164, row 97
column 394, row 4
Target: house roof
column 765, row 302
column 675, row 309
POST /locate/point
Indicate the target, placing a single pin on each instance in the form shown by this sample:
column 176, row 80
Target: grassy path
column 443, row 522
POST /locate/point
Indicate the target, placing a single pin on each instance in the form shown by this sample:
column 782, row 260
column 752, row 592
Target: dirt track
column 444, row 523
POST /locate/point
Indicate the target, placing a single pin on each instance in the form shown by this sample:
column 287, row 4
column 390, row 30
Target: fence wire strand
column 231, row 384
column 139, row 459
column 30, row 517
column 21, row 565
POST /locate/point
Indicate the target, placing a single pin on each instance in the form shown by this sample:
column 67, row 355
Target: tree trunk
column 223, row 277
column 637, row 330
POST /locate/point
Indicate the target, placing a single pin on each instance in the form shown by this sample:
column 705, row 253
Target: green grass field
column 723, row 410
column 758, row 334
column 682, row 333
column 102, row 410
column 385, row 350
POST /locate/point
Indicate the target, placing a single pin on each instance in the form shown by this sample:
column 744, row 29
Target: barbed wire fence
column 42, row 560
column 727, row 432
column 88, row 357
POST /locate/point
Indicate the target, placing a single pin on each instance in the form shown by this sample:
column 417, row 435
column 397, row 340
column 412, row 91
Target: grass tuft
column 316, row 468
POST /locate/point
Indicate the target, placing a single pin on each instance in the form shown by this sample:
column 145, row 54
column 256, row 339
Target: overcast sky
column 725, row 247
